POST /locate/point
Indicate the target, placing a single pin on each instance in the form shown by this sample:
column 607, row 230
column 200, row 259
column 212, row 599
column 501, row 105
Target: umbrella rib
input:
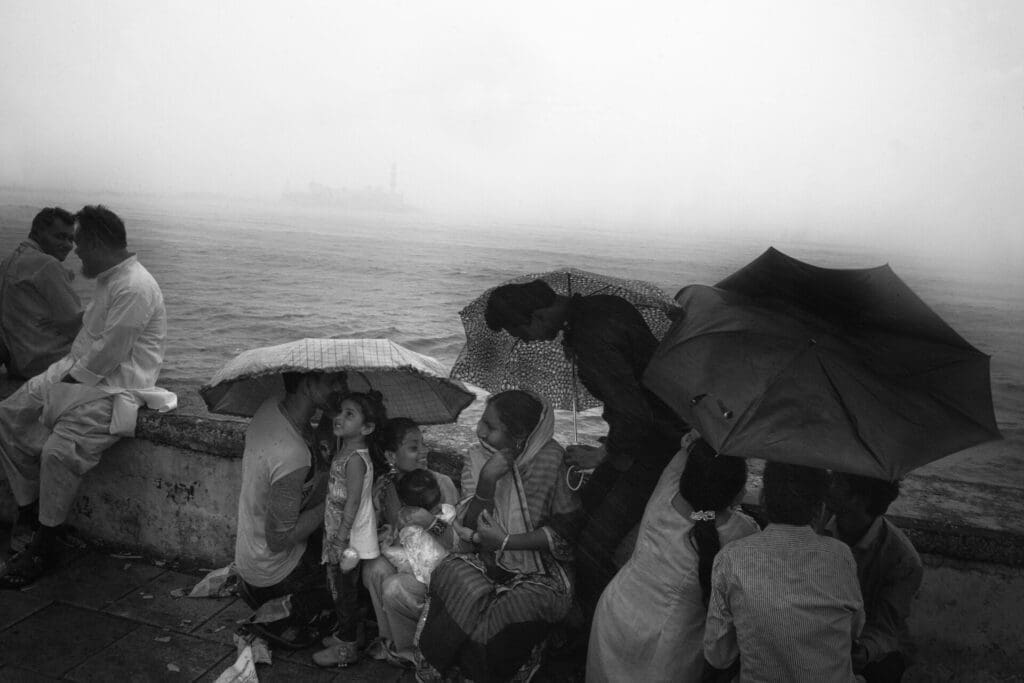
column 851, row 418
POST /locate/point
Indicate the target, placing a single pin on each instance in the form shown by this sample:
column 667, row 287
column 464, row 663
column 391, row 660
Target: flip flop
column 26, row 568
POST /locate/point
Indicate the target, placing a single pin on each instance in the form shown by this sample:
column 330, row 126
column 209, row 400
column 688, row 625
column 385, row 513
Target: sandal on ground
column 342, row 654
column 26, row 568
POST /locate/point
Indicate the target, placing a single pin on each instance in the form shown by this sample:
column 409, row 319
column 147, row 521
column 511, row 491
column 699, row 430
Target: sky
column 869, row 120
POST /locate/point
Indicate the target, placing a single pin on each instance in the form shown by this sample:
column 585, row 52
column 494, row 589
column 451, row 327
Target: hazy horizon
column 894, row 125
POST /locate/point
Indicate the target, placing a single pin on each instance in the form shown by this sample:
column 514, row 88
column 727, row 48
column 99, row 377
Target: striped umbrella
column 413, row 385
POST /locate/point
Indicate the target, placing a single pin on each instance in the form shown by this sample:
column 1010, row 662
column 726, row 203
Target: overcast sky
column 863, row 118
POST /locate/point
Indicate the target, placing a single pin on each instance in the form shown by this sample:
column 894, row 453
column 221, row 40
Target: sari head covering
column 517, row 508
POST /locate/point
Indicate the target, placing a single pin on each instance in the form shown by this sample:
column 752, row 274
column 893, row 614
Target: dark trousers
column 613, row 502
column 345, row 591
column 889, row 669
column 305, row 583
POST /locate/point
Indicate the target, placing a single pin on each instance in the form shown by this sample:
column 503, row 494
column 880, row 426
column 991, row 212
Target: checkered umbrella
column 413, row 385
column 497, row 361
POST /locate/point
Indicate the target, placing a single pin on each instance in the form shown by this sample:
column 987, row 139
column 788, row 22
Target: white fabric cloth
column 649, row 622
column 273, row 450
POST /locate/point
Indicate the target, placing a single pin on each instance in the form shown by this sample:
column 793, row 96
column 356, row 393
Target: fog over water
column 897, row 127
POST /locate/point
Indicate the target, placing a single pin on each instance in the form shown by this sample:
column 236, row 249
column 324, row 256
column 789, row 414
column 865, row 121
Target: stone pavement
column 111, row 618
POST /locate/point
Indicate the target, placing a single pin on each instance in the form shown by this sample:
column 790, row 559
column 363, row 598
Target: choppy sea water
column 238, row 275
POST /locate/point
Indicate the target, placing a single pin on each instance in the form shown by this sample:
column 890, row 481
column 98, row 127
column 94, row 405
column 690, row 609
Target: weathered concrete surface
column 967, row 621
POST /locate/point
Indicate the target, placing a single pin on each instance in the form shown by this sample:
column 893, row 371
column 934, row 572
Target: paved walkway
column 111, row 619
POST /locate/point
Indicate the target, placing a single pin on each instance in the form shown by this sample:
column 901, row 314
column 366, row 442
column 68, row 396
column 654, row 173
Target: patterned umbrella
column 413, row 385
column 497, row 361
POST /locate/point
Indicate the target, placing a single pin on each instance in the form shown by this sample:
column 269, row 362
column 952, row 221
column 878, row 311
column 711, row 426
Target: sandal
column 26, row 568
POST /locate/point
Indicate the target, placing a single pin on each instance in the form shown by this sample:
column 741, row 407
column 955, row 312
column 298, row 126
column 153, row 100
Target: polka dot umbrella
column 497, row 361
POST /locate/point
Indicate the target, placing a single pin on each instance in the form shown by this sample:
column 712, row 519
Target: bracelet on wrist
column 504, row 543
column 482, row 499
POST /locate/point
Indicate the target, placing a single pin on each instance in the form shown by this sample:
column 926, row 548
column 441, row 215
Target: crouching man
column 888, row 568
column 57, row 425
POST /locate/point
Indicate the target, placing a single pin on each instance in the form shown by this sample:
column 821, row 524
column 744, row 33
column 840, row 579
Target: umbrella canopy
column 413, row 385
column 497, row 361
column 840, row 369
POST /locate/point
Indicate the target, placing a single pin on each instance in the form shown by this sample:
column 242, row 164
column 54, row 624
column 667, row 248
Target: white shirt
column 121, row 343
column 273, row 450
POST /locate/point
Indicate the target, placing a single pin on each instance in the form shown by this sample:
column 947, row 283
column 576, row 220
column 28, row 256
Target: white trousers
column 48, row 463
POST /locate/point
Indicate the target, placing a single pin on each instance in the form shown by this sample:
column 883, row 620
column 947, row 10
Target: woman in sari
column 489, row 611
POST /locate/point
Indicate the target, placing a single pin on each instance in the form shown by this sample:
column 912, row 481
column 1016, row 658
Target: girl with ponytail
column 649, row 622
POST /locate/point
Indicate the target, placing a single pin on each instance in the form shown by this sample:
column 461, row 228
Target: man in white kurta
column 57, row 425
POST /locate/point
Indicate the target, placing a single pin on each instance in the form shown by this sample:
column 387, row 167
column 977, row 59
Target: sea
column 238, row 274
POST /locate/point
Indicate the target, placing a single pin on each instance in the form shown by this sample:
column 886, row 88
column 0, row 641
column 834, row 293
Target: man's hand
column 585, row 457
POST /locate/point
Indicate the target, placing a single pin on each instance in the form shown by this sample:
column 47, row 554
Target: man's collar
column 115, row 269
column 32, row 243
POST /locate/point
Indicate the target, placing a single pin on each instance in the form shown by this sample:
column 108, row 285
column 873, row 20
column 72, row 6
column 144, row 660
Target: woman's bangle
column 482, row 499
column 504, row 543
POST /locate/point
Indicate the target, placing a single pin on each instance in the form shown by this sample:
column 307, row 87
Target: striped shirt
column 787, row 602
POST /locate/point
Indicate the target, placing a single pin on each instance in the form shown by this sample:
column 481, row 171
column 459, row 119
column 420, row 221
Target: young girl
column 404, row 452
column 649, row 622
column 350, row 526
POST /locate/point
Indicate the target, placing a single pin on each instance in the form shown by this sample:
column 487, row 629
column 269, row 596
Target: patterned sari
column 489, row 616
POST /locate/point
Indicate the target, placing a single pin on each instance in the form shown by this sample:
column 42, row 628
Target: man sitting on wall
column 888, row 568
column 40, row 314
column 57, row 425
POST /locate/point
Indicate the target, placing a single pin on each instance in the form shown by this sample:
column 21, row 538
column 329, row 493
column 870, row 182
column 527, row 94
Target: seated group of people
column 822, row 593
column 473, row 578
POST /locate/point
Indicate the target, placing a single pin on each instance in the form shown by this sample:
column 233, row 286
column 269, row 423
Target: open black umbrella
column 842, row 369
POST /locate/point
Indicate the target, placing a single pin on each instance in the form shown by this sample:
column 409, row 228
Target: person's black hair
column 371, row 405
column 518, row 411
column 45, row 219
column 419, row 488
column 709, row 482
column 100, row 225
column 513, row 305
column 394, row 431
column 878, row 494
column 793, row 494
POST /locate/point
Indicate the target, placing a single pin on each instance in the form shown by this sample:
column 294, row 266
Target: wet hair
column 371, row 405
column 419, row 488
column 709, row 482
column 392, row 434
column 511, row 306
column 102, row 226
column 46, row 218
column 793, row 494
column 518, row 411
column 878, row 494
column 293, row 379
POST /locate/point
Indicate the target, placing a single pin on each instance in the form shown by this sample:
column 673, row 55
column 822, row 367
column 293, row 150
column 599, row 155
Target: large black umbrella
column 843, row 369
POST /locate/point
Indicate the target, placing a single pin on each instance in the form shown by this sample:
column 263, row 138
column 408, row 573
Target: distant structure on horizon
column 365, row 199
